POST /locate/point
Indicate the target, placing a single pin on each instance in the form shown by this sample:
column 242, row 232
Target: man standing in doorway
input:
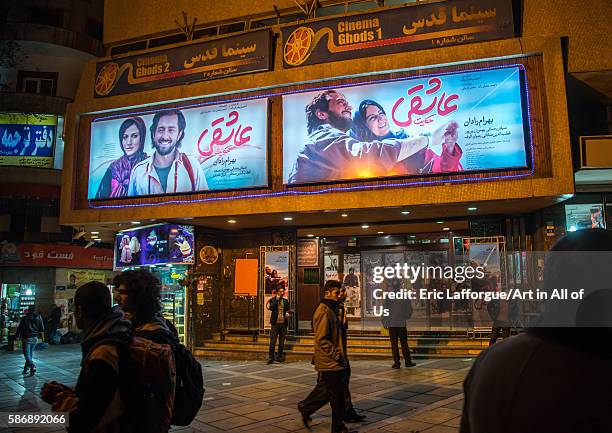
column 279, row 306
column 168, row 170
column 329, row 360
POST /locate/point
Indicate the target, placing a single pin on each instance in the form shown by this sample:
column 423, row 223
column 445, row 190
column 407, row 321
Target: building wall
column 550, row 112
column 583, row 21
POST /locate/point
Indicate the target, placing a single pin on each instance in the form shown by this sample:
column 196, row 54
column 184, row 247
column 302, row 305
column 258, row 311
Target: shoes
column 25, row 371
column 306, row 419
column 396, row 366
column 280, row 359
column 270, row 361
column 32, row 371
column 410, row 364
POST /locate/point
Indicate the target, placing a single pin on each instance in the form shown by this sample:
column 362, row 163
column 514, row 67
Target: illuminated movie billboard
column 440, row 124
column 156, row 244
column 179, row 150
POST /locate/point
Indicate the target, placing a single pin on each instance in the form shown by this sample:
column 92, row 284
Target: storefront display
column 584, row 216
column 173, row 296
column 19, row 297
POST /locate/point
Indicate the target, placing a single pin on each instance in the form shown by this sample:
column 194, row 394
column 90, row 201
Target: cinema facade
column 445, row 137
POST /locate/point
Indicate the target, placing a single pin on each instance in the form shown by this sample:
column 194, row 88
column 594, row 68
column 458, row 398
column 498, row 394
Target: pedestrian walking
column 138, row 293
column 126, row 384
column 399, row 311
column 329, row 361
column 29, row 328
column 279, row 318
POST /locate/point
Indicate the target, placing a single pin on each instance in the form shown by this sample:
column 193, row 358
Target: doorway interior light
column 365, row 226
column 472, row 209
column 310, row 235
column 381, row 233
column 344, row 215
column 446, row 229
column 439, row 222
column 95, row 233
column 231, row 221
column 405, row 212
column 288, row 218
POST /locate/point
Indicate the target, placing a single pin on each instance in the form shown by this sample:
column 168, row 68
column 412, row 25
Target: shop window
column 260, row 24
column 208, row 32
column 47, row 16
column 123, row 49
column 167, row 40
column 584, row 216
column 398, row 2
column 44, row 83
column 362, row 6
column 232, row 28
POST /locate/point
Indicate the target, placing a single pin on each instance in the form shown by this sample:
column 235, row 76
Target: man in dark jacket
column 329, row 360
column 400, row 310
column 279, row 307
column 95, row 404
column 30, row 327
column 138, row 294
column 553, row 379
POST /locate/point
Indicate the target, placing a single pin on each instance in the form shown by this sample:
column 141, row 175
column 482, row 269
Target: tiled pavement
column 250, row 396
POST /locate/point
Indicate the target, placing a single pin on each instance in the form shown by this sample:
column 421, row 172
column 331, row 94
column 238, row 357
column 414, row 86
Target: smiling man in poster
column 332, row 153
column 168, row 170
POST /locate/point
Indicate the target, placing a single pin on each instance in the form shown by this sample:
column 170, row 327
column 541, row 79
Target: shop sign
column 397, row 30
column 27, row 140
column 55, row 256
column 209, row 255
column 308, row 252
column 215, row 147
column 219, row 58
column 448, row 123
column 154, row 245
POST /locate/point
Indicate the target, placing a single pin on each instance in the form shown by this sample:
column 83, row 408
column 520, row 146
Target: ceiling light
column 405, row 212
column 135, row 222
column 95, row 233
column 310, row 235
column 471, row 209
column 381, row 233
column 288, row 219
column 446, row 229
column 412, row 236
column 365, row 226
column 231, row 221
column 344, row 215
column 439, row 222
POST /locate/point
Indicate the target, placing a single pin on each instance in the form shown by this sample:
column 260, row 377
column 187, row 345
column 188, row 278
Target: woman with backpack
column 30, row 327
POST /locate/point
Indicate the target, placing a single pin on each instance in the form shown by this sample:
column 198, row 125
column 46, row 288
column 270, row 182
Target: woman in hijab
column 370, row 123
column 116, row 180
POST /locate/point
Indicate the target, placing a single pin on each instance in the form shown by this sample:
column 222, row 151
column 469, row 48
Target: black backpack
column 189, row 391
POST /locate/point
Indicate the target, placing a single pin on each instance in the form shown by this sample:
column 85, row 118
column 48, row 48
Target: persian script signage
column 220, row 58
column 397, row 30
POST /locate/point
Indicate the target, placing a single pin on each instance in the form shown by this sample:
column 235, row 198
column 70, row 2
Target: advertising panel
column 451, row 123
column 414, row 27
column 206, row 148
column 53, row 255
column 153, row 245
column 219, row 58
column 276, row 270
column 584, row 216
column 27, row 140
column 352, row 283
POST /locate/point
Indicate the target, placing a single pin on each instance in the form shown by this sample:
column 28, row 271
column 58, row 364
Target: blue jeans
column 28, row 352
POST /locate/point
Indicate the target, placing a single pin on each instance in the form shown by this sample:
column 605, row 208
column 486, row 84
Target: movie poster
column 330, row 263
column 440, row 124
column 487, row 256
column 352, row 283
column 276, row 276
column 156, row 244
column 170, row 151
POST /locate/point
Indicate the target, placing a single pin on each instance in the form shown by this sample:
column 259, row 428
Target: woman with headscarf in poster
column 132, row 134
column 370, row 123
